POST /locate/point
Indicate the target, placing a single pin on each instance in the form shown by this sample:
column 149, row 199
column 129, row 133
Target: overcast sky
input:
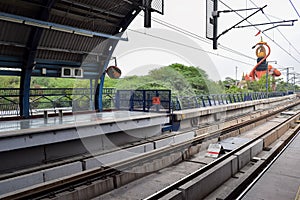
column 191, row 16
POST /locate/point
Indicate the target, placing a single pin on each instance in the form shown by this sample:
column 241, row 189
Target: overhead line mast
column 212, row 19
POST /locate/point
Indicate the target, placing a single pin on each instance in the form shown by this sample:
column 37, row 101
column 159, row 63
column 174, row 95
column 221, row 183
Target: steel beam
column 124, row 24
column 29, row 58
column 14, row 44
column 10, row 64
column 54, row 26
column 100, row 101
column 88, row 7
column 11, row 58
column 9, row 73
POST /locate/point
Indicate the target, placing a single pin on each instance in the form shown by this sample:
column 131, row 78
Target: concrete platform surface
column 73, row 120
column 282, row 180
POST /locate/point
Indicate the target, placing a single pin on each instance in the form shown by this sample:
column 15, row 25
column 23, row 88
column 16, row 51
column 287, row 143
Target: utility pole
column 294, row 82
column 236, row 68
column 267, row 82
column 287, row 76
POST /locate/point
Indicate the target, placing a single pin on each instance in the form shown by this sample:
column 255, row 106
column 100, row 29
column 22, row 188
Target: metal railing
column 9, row 102
column 78, row 99
column 142, row 100
column 73, row 99
column 181, row 103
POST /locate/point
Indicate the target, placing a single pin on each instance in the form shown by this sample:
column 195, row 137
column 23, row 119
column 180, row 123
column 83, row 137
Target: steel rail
column 195, row 174
column 94, row 174
column 244, row 192
column 84, row 156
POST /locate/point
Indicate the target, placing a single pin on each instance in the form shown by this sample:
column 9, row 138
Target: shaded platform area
column 67, row 39
column 282, row 179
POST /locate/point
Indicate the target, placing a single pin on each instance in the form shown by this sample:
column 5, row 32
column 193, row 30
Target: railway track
column 85, row 178
column 235, row 193
column 251, row 182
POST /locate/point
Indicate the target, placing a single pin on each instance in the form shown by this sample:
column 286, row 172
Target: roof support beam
column 54, row 26
column 14, row 44
column 88, row 7
column 111, row 47
column 29, row 57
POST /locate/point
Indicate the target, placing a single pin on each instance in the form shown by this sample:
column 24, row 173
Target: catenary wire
column 195, row 36
column 294, row 8
column 188, row 46
column 279, row 31
column 263, row 33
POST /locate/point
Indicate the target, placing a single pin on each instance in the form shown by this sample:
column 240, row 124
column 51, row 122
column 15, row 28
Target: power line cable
column 279, row 31
column 188, row 46
column 263, row 33
column 198, row 37
column 193, row 35
column 294, row 8
column 275, row 17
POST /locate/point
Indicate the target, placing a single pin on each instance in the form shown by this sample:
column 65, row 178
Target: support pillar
column 100, row 99
column 25, row 93
column 91, row 94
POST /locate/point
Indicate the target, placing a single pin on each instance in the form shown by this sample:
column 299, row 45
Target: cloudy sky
column 160, row 45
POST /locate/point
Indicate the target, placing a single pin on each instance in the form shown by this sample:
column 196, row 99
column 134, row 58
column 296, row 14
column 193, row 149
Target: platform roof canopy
column 41, row 37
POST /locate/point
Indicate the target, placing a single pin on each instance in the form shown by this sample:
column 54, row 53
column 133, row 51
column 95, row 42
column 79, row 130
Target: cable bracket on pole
column 234, row 26
column 215, row 14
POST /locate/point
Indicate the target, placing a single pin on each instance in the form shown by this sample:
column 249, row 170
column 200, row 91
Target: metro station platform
column 282, row 179
column 54, row 138
column 57, row 122
column 20, row 134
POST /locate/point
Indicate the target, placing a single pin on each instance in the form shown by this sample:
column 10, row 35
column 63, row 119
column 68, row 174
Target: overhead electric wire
column 279, row 31
column 198, row 37
column 263, row 33
column 193, row 35
column 178, row 29
column 188, row 46
column 294, row 8
column 274, row 17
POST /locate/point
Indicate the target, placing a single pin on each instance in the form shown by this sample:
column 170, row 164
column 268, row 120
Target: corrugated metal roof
column 105, row 16
column 12, row 32
column 11, row 51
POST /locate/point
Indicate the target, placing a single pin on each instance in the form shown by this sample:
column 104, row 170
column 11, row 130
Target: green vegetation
column 182, row 80
column 9, row 82
column 258, row 86
column 42, row 82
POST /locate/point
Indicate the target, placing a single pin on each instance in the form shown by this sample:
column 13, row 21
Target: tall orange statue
column 262, row 66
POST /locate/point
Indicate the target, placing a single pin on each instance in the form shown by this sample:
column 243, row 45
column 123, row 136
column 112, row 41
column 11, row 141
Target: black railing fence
column 181, row 103
column 72, row 99
column 82, row 99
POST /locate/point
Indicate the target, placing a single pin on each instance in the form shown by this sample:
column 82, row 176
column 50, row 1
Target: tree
column 182, row 80
column 196, row 77
column 229, row 82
